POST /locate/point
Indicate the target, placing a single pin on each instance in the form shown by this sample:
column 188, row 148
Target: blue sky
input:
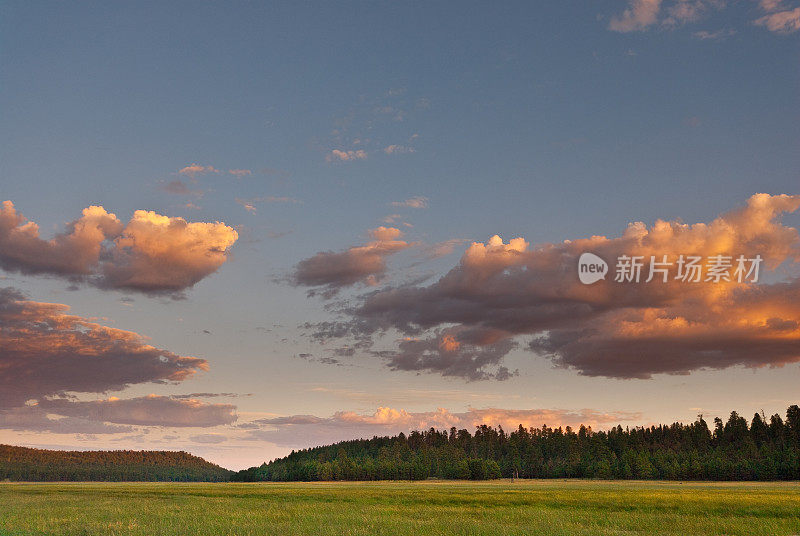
column 550, row 121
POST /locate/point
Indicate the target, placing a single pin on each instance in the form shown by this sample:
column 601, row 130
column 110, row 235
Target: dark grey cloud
column 145, row 411
column 330, row 271
column 34, row 419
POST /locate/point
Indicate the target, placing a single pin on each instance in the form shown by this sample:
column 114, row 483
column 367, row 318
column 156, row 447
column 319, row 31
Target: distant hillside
column 26, row 464
column 766, row 449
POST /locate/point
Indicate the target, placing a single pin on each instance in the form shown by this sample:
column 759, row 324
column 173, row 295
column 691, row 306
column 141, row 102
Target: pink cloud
column 782, row 22
column 637, row 17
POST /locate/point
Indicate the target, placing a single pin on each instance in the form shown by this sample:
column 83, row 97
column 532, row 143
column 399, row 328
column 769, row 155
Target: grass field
column 500, row 507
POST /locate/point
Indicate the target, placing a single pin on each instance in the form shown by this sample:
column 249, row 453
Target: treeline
column 26, row 464
column 764, row 449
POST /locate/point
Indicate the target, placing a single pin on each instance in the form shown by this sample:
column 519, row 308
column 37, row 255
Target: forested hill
column 21, row 463
column 763, row 449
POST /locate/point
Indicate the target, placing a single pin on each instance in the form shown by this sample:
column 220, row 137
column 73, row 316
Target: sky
column 243, row 229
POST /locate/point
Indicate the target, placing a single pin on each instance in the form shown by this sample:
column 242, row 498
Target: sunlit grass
column 499, row 507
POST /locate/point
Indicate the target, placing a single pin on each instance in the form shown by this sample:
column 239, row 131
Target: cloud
column 398, row 149
column 465, row 323
column 33, row 419
column 212, row 439
column 178, row 187
column 207, row 395
column 153, row 254
column 250, row 203
column 770, row 5
column 360, row 264
column 413, row 202
column 239, row 173
column 685, row 11
column 44, row 351
column 149, row 410
column 639, row 15
column 345, row 156
column 193, row 170
column 782, row 22
column 445, row 248
column 450, row 355
column 718, row 35
column 300, row 431
column 643, row 14
column 73, row 253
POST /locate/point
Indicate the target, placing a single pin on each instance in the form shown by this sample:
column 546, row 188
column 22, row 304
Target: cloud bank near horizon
column 44, row 352
column 47, row 354
column 299, row 431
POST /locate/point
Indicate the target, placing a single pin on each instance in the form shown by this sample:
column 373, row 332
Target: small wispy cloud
column 239, row 173
column 413, row 202
column 692, row 121
column 178, row 187
column 193, row 170
column 249, row 204
column 346, row 156
column 705, row 35
column 398, row 149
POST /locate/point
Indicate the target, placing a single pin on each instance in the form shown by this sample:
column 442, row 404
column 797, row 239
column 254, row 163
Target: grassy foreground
column 500, row 507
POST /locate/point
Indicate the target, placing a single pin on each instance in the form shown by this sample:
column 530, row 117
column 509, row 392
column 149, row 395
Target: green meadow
column 542, row 507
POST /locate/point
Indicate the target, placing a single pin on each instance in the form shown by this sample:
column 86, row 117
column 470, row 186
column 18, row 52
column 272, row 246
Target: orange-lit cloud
column 193, row 170
column 309, row 430
column 360, row 264
column 151, row 253
column 157, row 253
column 44, row 351
column 345, row 156
column 500, row 292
